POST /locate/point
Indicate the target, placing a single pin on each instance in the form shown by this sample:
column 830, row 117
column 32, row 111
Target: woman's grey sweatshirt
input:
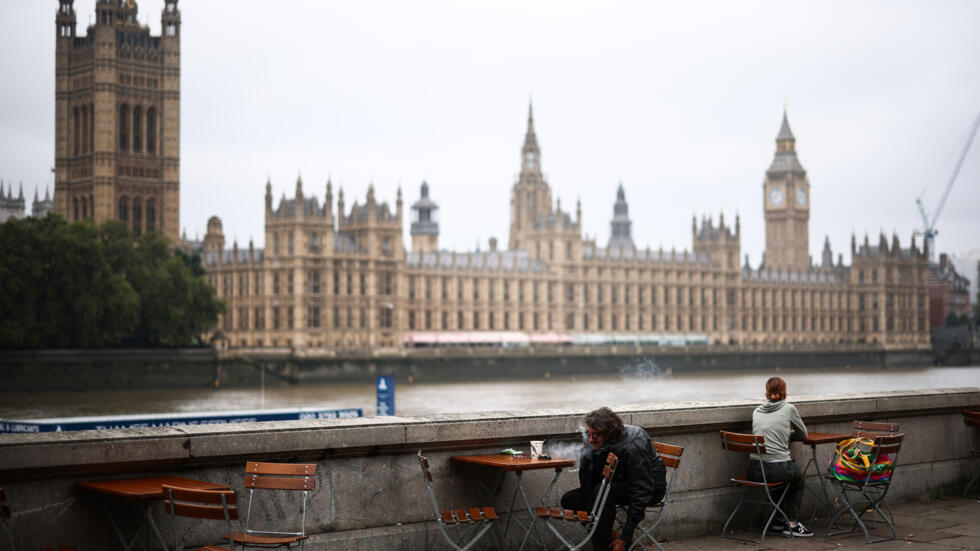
column 778, row 422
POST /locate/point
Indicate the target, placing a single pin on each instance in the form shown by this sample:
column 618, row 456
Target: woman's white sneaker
column 798, row 531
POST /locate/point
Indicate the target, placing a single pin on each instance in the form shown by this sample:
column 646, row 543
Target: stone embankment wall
column 196, row 368
column 370, row 493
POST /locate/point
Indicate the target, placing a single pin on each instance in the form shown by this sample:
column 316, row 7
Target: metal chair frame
column 972, row 420
column 481, row 519
column 750, row 443
column 589, row 519
column 276, row 476
column 200, row 504
column 869, row 494
column 671, row 456
column 5, row 519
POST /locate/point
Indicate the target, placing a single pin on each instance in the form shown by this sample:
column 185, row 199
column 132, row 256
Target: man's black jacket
column 640, row 469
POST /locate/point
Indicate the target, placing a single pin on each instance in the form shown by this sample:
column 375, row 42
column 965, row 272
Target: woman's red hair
column 776, row 389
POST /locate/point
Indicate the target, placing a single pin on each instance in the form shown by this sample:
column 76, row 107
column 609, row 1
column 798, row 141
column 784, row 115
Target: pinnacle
column 784, row 132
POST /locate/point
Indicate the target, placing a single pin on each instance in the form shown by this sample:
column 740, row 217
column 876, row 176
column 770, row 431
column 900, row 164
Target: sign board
column 171, row 419
column 386, row 394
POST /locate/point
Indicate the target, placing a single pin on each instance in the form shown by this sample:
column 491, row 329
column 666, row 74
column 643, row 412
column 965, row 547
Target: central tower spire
column 530, row 153
column 530, row 196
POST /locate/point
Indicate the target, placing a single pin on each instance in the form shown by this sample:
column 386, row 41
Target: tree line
column 83, row 285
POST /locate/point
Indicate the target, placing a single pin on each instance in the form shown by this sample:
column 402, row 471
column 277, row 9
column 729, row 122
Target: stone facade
column 117, row 118
column 349, row 283
column 948, row 292
column 15, row 207
column 11, row 206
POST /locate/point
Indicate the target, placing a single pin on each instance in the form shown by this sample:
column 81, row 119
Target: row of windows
column 83, row 129
column 283, row 318
column 429, row 320
column 349, row 318
column 137, row 128
column 426, row 287
column 282, row 283
column 314, row 244
column 134, row 209
column 83, row 206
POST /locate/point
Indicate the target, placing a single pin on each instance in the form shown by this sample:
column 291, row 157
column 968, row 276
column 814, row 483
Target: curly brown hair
column 605, row 421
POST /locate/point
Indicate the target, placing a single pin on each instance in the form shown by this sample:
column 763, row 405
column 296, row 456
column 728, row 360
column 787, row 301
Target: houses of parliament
column 335, row 275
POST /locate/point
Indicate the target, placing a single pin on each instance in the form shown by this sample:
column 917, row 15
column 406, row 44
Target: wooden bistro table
column 518, row 465
column 814, row 439
column 143, row 491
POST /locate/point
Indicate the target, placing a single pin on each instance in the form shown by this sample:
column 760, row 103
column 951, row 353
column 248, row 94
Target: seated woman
column 779, row 422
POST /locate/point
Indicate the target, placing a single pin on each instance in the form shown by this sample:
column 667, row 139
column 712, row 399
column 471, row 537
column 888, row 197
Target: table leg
column 147, row 520
column 156, row 530
column 534, row 518
column 115, row 526
column 822, row 497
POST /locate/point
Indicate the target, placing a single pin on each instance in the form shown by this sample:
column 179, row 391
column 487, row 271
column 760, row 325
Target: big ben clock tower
column 786, row 201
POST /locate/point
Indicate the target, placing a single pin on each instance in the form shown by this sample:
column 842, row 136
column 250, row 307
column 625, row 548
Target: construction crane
column 929, row 227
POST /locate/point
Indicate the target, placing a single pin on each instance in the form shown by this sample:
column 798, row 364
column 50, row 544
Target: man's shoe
column 798, row 531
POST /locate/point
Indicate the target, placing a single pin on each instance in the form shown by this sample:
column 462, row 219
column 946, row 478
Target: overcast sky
column 679, row 101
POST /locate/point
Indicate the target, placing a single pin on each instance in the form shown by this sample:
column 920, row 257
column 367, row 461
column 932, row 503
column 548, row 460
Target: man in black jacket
column 640, row 479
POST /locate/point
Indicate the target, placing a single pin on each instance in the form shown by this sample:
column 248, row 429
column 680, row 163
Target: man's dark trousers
column 580, row 500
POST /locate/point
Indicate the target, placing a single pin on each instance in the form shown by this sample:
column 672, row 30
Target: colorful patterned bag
column 852, row 462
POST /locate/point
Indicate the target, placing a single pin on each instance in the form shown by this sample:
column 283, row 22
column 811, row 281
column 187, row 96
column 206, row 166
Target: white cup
column 537, row 448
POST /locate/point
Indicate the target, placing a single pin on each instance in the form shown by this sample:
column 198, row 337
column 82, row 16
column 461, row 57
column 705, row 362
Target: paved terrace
column 369, row 491
column 928, row 525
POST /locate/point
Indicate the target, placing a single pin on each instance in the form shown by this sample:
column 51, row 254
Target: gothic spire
column 530, row 140
column 785, row 159
column 622, row 235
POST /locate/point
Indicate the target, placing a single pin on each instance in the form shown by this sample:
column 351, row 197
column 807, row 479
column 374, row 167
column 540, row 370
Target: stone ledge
column 211, row 444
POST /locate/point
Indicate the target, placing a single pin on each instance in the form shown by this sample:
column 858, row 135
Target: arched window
column 76, row 131
column 137, row 128
column 91, row 126
column 137, row 216
column 85, row 129
column 151, row 130
column 84, row 208
column 123, row 127
column 74, row 202
column 124, row 208
column 151, row 212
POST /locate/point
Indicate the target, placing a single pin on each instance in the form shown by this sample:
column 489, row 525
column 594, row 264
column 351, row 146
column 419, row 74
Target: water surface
column 633, row 386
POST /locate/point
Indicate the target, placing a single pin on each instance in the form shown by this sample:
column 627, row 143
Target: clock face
column 800, row 197
column 776, row 197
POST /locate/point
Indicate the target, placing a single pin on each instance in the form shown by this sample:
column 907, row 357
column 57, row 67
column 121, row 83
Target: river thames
column 632, row 386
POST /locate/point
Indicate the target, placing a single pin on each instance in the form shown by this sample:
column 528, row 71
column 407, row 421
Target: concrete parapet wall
column 370, row 493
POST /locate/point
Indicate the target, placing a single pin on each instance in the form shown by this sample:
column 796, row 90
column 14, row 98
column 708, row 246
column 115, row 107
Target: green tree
column 80, row 285
column 59, row 290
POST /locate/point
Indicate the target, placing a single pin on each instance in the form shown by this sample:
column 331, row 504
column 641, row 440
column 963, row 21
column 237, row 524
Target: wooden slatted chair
column 671, row 456
column 6, row 521
column 870, row 429
column 261, row 478
column 201, row 505
column 476, row 520
column 735, row 443
column 972, row 420
column 869, row 494
column 552, row 516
